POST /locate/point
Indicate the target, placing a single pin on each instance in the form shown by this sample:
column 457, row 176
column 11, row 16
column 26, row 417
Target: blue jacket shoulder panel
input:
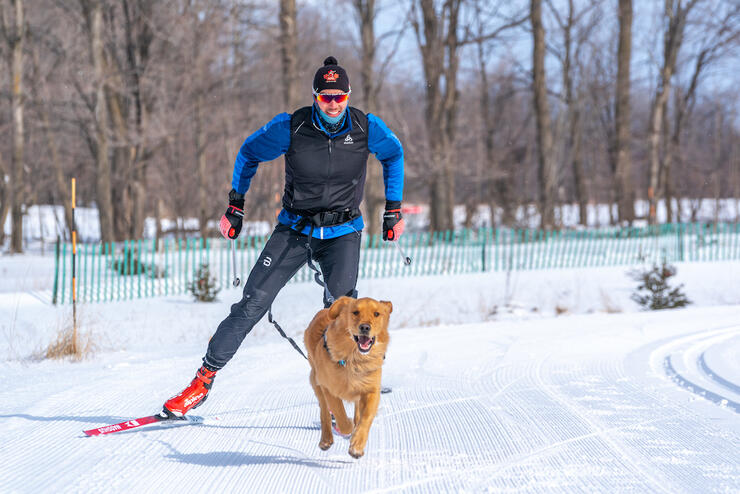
column 268, row 143
column 388, row 149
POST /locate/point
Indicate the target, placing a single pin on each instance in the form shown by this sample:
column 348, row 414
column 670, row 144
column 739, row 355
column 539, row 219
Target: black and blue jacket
column 323, row 171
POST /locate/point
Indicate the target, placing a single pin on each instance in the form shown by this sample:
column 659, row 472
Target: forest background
column 514, row 106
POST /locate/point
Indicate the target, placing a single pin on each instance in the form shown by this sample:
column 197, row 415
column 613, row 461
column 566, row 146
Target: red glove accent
column 231, row 222
column 393, row 224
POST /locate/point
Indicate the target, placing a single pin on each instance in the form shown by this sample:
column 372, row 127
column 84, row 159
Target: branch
column 495, row 33
column 389, row 57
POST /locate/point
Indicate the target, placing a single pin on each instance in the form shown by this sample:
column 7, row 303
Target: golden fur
column 358, row 380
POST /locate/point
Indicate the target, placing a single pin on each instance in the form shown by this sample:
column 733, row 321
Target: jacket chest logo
column 348, row 139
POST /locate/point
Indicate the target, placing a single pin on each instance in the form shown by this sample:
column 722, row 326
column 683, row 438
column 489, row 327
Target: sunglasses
column 327, row 98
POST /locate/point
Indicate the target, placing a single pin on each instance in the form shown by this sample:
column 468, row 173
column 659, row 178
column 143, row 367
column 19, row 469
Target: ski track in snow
column 516, row 411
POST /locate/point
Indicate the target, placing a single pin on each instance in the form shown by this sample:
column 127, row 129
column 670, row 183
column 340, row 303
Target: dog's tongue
column 364, row 341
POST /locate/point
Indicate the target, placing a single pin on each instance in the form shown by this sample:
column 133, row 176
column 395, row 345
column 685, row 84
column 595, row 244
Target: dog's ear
column 387, row 304
column 337, row 306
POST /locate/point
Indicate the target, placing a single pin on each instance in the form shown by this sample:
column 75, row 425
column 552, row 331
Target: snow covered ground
column 493, row 391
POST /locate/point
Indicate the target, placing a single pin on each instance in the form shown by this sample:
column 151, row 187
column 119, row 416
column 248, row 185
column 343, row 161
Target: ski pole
column 233, row 264
column 406, row 259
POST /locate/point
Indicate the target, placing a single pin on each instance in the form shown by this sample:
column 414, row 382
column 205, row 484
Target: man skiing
column 326, row 146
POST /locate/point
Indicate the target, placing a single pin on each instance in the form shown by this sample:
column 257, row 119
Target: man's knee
column 254, row 304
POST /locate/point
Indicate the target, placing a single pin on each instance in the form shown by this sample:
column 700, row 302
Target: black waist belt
column 327, row 218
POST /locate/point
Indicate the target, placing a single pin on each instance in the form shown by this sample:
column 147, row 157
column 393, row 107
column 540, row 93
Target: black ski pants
column 284, row 254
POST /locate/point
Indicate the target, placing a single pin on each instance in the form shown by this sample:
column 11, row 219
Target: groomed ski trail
column 536, row 406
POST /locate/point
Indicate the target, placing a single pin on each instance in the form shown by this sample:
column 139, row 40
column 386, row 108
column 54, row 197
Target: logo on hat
column 331, row 76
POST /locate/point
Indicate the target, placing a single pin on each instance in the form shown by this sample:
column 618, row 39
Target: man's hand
column 392, row 221
column 231, row 221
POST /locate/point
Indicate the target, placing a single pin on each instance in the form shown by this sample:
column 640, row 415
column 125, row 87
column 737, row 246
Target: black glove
column 231, row 221
column 392, row 221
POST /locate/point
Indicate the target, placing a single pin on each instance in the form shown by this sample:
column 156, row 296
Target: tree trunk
column 673, row 36
column 15, row 34
column 123, row 181
column 374, row 200
column 200, row 150
column 666, row 165
column 4, row 200
column 579, row 176
column 449, row 106
column 61, row 194
column 493, row 184
column 438, row 43
column 158, row 223
column 139, row 37
column 573, row 150
column 289, row 53
column 623, row 176
column 546, row 168
column 103, row 165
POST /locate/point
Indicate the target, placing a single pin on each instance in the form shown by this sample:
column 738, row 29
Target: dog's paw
column 356, row 453
column 324, row 445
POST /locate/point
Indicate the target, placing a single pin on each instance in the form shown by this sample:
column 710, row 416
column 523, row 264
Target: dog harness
column 340, row 362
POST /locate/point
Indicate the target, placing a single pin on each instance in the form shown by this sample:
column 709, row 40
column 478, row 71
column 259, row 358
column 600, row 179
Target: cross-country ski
column 159, row 418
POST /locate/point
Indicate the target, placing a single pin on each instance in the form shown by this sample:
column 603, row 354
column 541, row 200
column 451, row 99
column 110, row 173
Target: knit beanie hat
column 331, row 76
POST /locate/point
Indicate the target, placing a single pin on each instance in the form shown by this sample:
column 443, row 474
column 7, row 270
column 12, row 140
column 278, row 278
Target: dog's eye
column 377, row 314
column 357, row 313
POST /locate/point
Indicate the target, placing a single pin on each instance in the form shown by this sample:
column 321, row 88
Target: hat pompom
column 330, row 61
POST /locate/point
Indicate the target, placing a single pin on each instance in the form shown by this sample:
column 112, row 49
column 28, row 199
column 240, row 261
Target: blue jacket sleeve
column 387, row 148
column 266, row 144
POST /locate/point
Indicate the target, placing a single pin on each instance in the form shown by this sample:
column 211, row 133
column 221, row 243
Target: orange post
column 74, row 272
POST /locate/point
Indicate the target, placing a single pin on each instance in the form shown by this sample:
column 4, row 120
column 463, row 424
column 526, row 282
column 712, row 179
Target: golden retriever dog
column 346, row 346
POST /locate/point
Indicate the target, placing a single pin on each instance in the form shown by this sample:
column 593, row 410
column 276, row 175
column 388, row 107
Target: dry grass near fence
column 561, row 309
column 64, row 345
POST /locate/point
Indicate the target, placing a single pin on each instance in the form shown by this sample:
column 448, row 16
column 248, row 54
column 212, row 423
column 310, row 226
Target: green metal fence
column 143, row 268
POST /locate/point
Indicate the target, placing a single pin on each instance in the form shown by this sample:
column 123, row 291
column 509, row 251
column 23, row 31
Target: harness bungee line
column 317, row 277
column 282, row 333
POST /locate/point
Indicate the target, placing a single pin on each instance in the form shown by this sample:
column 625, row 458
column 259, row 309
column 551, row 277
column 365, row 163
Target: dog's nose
column 364, row 328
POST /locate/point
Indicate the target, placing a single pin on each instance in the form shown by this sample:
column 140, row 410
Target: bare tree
column 547, row 174
column 14, row 31
column 437, row 37
column 575, row 34
column 4, row 199
column 625, row 194
column 493, row 179
column 138, row 38
column 675, row 15
column 93, row 12
column 289, row 53
column 720, row 35
column 495, row 182
column 43, row 96
column 366, row 12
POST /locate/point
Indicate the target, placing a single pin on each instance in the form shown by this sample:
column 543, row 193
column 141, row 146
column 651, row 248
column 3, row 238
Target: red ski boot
column 192, row 396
